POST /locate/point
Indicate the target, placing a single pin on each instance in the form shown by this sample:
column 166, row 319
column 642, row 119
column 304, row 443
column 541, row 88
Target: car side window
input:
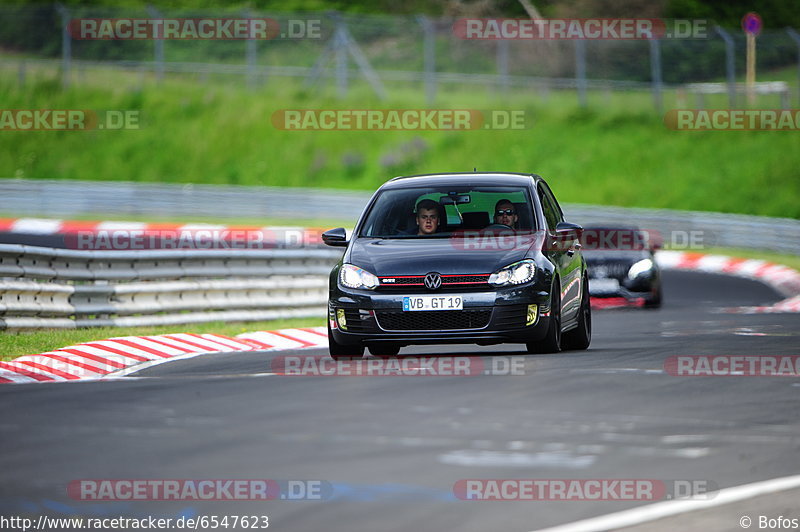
column 551, row 214
column 553, row 202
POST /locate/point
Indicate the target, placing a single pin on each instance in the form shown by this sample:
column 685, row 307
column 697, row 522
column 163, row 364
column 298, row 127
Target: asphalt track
column 392, row 448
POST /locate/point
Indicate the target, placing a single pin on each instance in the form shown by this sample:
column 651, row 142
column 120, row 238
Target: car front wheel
column 343, row 352
column 581, row 336
column 551, row 343
column 654, row 301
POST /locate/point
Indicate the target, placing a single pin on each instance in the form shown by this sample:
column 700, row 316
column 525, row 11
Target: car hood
column 443, row 255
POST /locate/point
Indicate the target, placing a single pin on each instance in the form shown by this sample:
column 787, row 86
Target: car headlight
column 639, row 268
column 517, row 273
column 355, row 277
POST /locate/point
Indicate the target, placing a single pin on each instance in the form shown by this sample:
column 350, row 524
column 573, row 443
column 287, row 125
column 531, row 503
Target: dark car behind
column 622, row 263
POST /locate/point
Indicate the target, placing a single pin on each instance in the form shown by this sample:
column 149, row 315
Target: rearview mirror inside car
column 455, row 199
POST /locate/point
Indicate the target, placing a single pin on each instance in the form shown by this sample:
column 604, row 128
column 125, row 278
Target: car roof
column 482, row 178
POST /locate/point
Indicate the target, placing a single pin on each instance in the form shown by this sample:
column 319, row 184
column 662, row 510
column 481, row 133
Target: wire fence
column 339, row 51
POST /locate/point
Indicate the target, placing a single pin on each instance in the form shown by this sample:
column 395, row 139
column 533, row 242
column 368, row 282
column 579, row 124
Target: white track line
column 651, row 512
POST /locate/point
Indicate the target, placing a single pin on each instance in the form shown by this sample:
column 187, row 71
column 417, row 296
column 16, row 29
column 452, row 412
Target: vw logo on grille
column 433, row 281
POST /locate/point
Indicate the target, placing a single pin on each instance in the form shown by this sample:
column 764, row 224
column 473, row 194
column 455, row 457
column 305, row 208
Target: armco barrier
column 46, row 287
column 62, row 198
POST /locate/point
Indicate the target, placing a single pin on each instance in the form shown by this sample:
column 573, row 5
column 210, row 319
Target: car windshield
column 449, row 211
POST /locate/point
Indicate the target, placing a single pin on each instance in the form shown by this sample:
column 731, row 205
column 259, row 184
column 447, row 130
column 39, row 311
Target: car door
column 563, row 254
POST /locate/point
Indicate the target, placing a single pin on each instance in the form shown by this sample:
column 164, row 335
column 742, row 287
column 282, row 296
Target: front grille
column 613, row 270
column 433, row 320
column 449, row 282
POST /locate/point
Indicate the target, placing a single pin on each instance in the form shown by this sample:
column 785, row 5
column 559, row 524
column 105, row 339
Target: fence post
column 655, row 73
column 340, row 52
column 502, row 63
column 250, row 54
column 580, row 70
column 730, row 65
column 158, row 46
column 66, row 45
column 429, row 51
column 796, row 38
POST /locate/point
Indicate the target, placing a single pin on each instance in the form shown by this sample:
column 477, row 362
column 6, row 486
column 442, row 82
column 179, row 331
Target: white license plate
column 412, row 303
column 603, row 286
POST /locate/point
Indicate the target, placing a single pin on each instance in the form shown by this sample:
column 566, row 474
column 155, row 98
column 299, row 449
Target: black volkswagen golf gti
column 482, row 258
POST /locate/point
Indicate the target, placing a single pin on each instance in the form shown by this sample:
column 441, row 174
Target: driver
column 427, row 217
column 505, row 213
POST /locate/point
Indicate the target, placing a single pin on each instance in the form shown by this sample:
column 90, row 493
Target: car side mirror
column 335, row 237
column 656, row 242
column 567, row 230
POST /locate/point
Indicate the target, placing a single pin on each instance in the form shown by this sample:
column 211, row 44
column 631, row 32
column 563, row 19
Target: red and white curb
column 119, row 356
column 783, row 279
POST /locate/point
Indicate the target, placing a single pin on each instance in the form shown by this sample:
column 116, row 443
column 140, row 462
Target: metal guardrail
column 64, row 288
column 68, row 198
column 705, row 229
column 46, row 287
column 54, row 198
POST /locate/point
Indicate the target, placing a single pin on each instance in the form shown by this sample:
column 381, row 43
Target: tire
column 343, row 352
column 581, row 336
column 551, row 343
column 654, row 301
column 384, row 351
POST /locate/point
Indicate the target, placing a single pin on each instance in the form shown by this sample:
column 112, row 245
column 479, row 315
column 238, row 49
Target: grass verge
column 617, row 151
column 16, row 344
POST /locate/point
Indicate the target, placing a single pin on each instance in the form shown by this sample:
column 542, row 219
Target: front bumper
column 488, row 317
column 641, row 287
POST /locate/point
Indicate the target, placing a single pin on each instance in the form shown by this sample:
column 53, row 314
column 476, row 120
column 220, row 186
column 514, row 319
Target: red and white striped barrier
column 782, row 278
column 96, row 360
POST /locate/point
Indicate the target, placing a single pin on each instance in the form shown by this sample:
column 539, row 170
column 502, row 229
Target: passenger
column 505, row 213
column 427, row 217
